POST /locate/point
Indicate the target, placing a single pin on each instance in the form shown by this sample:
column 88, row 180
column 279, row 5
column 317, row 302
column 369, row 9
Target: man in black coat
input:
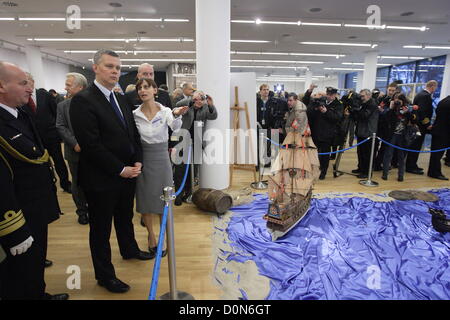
column 424, row 100
column 42, row 108
column 366, row 124
column 323, row 121
column 110, row 161
column 440, row 138
column 28, row 200
column 383, row 125
column 146, row 70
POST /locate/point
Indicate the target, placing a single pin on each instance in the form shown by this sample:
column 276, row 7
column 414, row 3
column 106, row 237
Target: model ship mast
column 293, row 174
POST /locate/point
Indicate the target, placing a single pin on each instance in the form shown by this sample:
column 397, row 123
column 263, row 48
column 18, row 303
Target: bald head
column 146, row 70
column 15, row 89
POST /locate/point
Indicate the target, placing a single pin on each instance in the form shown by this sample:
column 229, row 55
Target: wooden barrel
column 212, row 200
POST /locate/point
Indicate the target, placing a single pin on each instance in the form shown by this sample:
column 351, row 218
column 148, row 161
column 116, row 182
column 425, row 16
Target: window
column 350, row 80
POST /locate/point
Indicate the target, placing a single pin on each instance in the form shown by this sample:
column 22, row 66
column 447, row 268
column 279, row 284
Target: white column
column 359, row 81
column 370, row 70
column 308, row 79
column 445, row 89
column 213, row 77
column 35, row 65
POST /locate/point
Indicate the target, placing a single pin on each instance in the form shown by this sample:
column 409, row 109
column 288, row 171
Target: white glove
column 22, row 247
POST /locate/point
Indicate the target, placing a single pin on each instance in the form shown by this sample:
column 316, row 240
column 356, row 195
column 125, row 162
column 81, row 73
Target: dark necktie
column 32, row 104
column 116, row 109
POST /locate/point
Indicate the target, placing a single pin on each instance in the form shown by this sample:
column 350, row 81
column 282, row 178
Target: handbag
column 411, row 134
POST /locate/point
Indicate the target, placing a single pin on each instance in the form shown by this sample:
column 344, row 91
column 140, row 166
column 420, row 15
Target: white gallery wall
column 245, row 81
column 55, row 72
column 299, row 86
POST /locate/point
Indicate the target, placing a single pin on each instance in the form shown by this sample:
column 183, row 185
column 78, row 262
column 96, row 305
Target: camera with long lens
column 352, row 101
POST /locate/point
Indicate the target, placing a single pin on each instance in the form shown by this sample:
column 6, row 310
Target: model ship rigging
column 294, row 171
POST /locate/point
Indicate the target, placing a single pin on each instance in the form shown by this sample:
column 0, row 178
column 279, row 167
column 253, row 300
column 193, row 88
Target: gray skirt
column 156, row 175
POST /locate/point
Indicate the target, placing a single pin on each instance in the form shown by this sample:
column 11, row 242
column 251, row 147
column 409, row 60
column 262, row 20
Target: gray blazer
column 203, row 114
column 64, row 127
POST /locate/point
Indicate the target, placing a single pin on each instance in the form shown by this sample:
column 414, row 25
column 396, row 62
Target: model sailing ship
column 294, row 172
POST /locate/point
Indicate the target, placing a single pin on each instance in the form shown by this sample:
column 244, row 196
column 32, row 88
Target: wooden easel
column 236, row 126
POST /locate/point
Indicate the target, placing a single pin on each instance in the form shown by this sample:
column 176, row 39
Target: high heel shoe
column 153, row 250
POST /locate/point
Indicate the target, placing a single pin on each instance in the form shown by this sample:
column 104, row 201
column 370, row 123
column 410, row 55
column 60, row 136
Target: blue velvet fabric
column 333, row 252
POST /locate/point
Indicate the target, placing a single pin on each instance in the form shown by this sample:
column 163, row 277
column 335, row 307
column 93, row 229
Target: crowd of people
column 117, row 147
column 391, row 116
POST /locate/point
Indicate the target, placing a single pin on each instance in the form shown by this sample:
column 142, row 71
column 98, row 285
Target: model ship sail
column 293, row 174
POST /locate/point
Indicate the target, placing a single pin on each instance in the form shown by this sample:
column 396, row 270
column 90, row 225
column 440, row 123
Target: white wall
column 55, row 72
column 299, row 87
column 245, row 81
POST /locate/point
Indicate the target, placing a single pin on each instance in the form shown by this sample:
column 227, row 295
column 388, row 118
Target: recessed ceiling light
column 407, row 14
column 115, row 4
column 9, row 4
column 141, row 32
column 69, row 32
column 314, row 10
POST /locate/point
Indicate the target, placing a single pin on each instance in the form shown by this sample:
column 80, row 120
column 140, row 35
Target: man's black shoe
column 83, row 219
column 440, row 177
column 356, row 171
column 67, row 187
column 400, row 179
column 322, row 176
column 58, row 296
column 141, row 255
column 415, row 171
column 178, row 201
column 114, row 285
column 48, row 263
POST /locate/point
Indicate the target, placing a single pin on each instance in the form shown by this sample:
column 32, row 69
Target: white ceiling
column 435, row 14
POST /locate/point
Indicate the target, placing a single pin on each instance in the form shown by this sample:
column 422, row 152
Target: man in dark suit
column 42, row 107
column 110, row 160
column 440, row 138
column 424, row 100
column 146, row 70
column 75, row 82
column 28, row 200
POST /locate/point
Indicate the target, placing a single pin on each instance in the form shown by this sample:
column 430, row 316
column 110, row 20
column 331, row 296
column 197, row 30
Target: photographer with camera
column 424, row 101
column 366, row 118
column 270, row 113
column 324, row 113
column 201, row 109
column 401, row 124
column 384, row 103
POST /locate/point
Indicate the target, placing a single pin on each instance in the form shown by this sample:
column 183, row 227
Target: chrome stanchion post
column 369, row 182
column 174, row 294
column 260, row 185
column 192, row 169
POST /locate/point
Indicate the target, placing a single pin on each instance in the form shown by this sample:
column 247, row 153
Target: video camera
column 352, row 101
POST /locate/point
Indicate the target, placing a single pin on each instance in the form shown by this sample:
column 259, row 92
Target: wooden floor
column 68, row 241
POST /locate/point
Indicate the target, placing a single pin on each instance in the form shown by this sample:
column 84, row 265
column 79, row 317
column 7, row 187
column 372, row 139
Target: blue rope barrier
column 409, row 150
column 325, row 153
column 185, row 173
column 157, row 265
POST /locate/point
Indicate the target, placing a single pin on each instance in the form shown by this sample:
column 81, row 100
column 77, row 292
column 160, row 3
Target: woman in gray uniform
column 152, row 120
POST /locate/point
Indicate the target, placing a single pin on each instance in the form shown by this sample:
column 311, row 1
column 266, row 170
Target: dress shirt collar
column 13, row 111
column 103, row 89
